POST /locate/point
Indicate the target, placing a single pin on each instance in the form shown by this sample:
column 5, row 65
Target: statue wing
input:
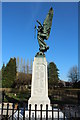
column 48, row 23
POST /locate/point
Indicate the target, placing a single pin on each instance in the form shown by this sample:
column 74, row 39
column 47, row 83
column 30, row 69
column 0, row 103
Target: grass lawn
column 63, row 95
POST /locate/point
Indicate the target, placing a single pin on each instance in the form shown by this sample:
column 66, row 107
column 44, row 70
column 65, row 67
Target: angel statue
column 43, row 32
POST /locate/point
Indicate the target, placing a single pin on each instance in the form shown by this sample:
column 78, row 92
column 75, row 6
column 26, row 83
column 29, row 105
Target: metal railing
column 7, row 113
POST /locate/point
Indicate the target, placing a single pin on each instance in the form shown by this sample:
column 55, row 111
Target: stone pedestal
column 39, row 88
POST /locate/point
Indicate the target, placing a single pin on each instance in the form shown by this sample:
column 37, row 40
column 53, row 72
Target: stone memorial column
column 39, row 87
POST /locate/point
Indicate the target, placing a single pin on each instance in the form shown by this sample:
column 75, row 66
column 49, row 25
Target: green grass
column 18, row 96
column 23, row 95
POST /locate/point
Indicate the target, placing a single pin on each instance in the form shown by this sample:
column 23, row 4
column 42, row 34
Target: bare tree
column 31, row 66
column 27, row 66
column 21, row 65
column 73, row 74
column 17, row 63
column 24, row 66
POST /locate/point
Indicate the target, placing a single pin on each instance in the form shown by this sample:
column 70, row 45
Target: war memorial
column 38, row 105
column 39, row 89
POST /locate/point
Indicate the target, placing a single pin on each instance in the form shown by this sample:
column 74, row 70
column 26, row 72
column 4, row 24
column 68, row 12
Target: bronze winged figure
column 43, row 31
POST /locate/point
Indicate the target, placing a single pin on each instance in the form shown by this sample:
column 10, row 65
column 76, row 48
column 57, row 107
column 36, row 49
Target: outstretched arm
column 39, row 22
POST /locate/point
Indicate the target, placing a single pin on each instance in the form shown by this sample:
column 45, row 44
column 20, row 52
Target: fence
column 7, row 113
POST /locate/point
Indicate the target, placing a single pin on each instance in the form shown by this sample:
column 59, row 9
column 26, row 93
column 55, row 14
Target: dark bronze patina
column 43, row 32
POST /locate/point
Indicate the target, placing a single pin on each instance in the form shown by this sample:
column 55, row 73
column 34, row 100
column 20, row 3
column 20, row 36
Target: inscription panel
column 39, row 79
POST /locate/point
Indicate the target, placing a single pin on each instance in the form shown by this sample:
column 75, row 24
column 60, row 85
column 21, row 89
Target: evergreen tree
column 9, row 73
column 3, row 68
column 53, row 75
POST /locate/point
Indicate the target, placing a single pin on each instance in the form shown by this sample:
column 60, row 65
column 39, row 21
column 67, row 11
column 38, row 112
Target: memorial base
column 39, row 87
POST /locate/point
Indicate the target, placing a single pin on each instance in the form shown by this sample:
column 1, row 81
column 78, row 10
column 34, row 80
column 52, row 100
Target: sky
column 18, row 22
